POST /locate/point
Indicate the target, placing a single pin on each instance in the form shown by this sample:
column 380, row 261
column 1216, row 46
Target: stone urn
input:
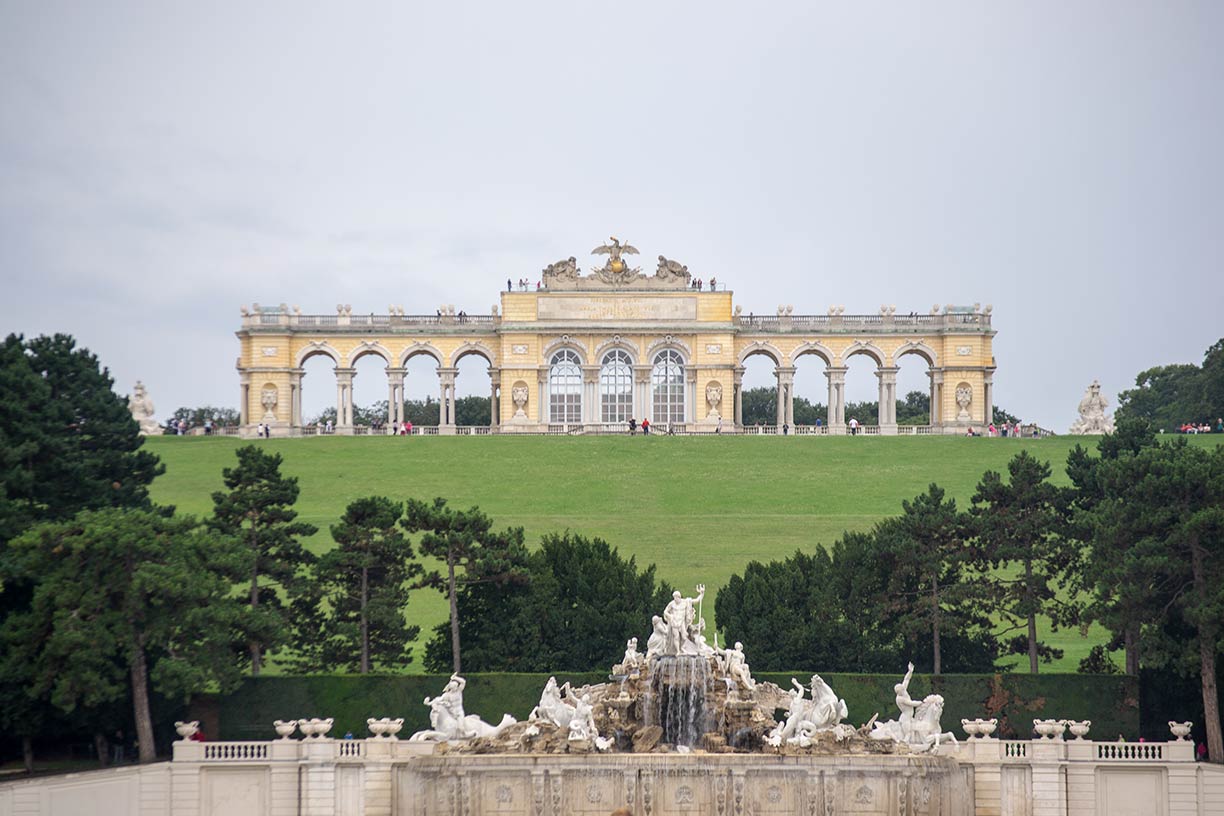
column 1181, row 730
column 972, row 727
column 306, row 727
column 186, row 730
column 377, row 727
column 314, row 727
column 285, row 728
column 987, row 727
column 394, row 727
column 1059, row 728
column 1079, row 728
column 1045, row 728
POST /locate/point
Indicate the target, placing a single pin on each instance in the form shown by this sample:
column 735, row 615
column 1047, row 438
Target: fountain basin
column 697, row 783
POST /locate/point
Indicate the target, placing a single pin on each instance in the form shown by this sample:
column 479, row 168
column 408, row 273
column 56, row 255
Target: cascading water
column 677, row 699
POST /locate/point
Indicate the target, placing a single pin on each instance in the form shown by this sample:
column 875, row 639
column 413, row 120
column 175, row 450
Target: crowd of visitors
column 1201, row 427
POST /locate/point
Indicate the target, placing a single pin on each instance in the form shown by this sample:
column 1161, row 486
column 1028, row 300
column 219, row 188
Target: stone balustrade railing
column 268, row 317
column 836, row 323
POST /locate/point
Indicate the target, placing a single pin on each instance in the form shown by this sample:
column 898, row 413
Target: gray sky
column 163, row 163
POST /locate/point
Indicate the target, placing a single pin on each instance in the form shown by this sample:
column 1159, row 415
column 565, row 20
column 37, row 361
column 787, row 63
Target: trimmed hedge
column 1110, row 701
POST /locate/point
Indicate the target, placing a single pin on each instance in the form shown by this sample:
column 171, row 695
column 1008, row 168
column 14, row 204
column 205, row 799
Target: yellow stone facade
column 709, row 336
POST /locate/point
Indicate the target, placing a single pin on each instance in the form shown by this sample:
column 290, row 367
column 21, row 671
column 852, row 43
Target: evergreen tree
column 465, row 541
column 1023, row 523
column 364, row 583
column 927, row 549
column 582, row 603
column 257, row 511
column 1170, row 500
column 1099, row 569
column 125, row 601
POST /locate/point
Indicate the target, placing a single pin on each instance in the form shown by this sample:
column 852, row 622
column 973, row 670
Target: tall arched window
column 616, row 387
column 667, row 387
column 565, row 388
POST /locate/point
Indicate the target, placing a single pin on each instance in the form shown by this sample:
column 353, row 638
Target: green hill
column 698, row 507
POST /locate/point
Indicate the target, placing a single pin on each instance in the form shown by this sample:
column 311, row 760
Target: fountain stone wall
column 683, row 783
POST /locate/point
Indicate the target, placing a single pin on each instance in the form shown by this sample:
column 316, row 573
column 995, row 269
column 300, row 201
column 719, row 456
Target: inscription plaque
column 617, row 308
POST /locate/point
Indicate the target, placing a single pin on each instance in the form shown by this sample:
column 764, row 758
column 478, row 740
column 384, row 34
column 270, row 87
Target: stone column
column 446, row 408
column 494, row 399
column 344, row 400
column 887, row 412
column 988, row 398
column 641, row 391
column 244, row 388
column 395, row 396
column 295, row 397
column 690, row 394
column 737, row 380
column 779, row 399
column 786, row 395
column 590, row 394
column 542, row 408
column 837, row 399
column 936, row 376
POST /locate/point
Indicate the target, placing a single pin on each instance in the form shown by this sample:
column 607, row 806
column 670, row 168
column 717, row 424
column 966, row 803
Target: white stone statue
column 1092, row 416
column 448, row 721
column 632, row 660
column 142, row 411
column 518, row 394
column 713, row 398
column 805, row 718
column 735, row 665
column 918, row 723
column 552, row 707
column 658, row 637
column 684, row 627
column 582, row 726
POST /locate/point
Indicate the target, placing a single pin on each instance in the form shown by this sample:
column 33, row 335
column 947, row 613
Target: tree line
column 1170, row 395
column 760, row 407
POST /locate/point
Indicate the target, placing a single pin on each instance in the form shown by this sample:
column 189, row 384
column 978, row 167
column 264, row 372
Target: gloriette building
column 585, row 353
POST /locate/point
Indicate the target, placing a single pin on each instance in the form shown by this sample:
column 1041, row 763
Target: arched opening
column 811, row 388
column 421, row 389
column 565, row 388
column 474, row 391
column 667, row 388
column 616, row 387
column 317, row 398
column 369, row 392
column 914, row 387
column 759, row 389
column 862, row 386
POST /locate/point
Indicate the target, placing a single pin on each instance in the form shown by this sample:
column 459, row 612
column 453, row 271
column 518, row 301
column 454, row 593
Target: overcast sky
column 163, row 163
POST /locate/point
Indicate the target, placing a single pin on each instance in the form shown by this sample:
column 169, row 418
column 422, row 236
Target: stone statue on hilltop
column 1092, row 417
column 565, row 269
column 672, row 271
column 142, row 411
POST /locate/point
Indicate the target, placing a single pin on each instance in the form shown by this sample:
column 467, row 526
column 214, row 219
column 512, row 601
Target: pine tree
column 257, row 511
column 364, row 584
column 1023, row 523
column 126, row 601
column 465, row 541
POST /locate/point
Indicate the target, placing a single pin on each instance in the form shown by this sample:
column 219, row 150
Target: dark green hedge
column 1110, row 701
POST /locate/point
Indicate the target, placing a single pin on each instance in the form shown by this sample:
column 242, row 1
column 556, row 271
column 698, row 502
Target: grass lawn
column 698, row 507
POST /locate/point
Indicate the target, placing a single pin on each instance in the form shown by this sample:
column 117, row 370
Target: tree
column 67, row 442
column 915, row 409
column 126, row 600
column 422, row 412
column 760, row 406
column 1166, row 396
column 1002, row 416
column 196, row 417
column 1099, row 570
column 364, row 582
column 465, row 541
column 1022, row 522
column 582, row 602
column 258, row 512
column 472, row 411
column 1170, row 498
column 927, row 588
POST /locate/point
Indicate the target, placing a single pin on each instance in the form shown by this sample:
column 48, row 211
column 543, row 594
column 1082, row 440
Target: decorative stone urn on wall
column 268, row 399
column 964, row 397
column 518, row 394
column 713, row 395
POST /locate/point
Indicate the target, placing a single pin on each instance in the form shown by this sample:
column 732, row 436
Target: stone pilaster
column 344, row 400
column 887, row 410
column 837, row 399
